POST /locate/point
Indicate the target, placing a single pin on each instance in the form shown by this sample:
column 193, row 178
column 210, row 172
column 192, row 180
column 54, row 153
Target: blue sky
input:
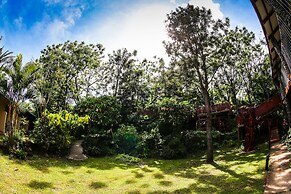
column 28, row 26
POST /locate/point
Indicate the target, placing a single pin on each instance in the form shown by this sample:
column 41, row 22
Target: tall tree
column 236, row 45
column 64, row 73
column 194, row 36
column 5, row 58
column 18, row 79
column 125, row 77
column 263, row 86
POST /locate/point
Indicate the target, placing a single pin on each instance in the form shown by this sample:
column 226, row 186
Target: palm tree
column 5, row 58
column 16, row 85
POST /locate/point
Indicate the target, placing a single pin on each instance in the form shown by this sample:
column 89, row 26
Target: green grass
column 232, row 172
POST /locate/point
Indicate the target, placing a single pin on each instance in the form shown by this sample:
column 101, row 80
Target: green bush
column 100, row 144
column 150, row 143
column 127, row 140
column 18, row 145
column 173, row 148
column 104, row 112
column 197, row 140
column 105, row 118
column 127, row 159
column 173, row 116
column 54, row 132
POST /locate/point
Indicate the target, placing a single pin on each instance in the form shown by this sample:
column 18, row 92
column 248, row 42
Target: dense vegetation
column 120, row 104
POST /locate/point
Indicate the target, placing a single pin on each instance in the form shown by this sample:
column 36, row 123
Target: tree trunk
column 208, row 127
column 234, row 100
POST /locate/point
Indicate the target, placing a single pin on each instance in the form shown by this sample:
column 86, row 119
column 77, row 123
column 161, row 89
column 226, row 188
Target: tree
column 236, row 45
column 194, row 36
column 125, row 77
column 5, row 56
column 16, row 84
column 263, row 87
column 246, row 71
column 64, row 73
column 257, row 79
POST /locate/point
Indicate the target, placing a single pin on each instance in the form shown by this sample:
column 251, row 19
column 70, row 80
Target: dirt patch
column 278, row 179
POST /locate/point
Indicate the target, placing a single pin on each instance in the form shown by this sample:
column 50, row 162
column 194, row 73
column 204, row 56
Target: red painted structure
column 250, row 117
column 221, row 114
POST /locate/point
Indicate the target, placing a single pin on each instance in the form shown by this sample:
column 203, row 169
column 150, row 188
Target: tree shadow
column 165, row 183
column 131, row 181
column 44, row 163
column 159, row 176
column 134, row 192
column 242, row 177
column 98, row 185
column 34, row 184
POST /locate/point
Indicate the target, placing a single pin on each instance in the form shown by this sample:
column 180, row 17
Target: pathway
column 76, row 151
column 278, row 179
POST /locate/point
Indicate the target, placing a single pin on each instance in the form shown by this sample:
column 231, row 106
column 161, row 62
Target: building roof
column 275, row 18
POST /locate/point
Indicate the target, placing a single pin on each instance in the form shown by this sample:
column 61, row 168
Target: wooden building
column 275, row 18
column 4, row 106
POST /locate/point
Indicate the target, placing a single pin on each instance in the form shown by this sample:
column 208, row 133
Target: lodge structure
column 275, row 18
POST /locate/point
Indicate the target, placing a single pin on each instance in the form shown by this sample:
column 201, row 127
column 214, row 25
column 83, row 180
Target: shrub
column 127, row 159
column 105, row 118
column 53, row 132
column 172, row 116
column 104, row 112
column 17, row 145
column 197, row 140
column 173, row 148
column 126, row 140
column 99, row 144
column 150, row 143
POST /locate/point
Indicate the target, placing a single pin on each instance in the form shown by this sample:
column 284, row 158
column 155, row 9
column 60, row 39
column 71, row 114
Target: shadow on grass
column 241, row 177
column 226, row 181
column 218, row 177
column 134, row 192
column 132, row 181
column 44, row 163
column 159, row 176
column 97, row 185
column 66, row 172
column 34, row 184
column 166, row 183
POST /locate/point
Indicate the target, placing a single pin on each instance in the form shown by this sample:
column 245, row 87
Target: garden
column 232, row 172
column 137, row 120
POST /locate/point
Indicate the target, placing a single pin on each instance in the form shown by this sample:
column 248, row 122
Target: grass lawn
column 232, row 172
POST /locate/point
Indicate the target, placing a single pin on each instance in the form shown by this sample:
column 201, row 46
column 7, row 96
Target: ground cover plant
column 232, row 172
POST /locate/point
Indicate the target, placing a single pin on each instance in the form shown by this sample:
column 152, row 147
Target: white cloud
column 18, row 22
column 173, row 1
column 72, row 14
column 57, row 29
column 142, row 29
column 209, row 4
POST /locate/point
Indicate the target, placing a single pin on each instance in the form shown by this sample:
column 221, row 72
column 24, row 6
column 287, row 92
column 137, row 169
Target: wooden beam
column 273, row 32
column 268, row 16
